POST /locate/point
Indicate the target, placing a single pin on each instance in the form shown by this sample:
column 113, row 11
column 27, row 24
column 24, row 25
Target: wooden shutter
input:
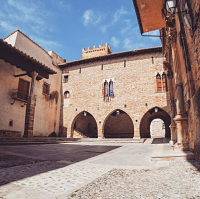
column 159, row 84
column 23, row 89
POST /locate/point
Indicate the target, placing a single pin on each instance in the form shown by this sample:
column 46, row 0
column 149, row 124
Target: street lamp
column 156, row 110
column 171, row 6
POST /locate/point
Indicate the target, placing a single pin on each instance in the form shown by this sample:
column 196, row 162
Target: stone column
column 69, row 132
column 173, row 124
column 100, row 130
column 181, row 120
column 30, row 109
column 136, row 130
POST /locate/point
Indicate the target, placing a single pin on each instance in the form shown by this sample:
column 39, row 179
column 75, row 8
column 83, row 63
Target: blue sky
column 67, row 26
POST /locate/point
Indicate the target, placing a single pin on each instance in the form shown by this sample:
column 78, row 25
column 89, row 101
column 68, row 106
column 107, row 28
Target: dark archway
column 84, row 126
column 149, row 116
column 118, row 125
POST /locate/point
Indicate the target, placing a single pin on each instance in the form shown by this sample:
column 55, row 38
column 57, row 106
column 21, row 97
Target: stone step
column 36, row 140
column 165, row 152
column 113, row 140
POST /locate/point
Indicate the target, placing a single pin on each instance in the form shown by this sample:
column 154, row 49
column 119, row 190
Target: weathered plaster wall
column 7, row 111
column 23, row 43
column 46, row 111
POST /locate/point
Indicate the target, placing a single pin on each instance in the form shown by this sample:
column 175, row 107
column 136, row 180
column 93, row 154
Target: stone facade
column 103, row 95
column 181, row 43
column 135, row 93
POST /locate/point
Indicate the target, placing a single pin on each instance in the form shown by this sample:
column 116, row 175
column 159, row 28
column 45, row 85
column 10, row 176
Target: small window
column 65, row 78
column 159, row 83
column 164, row 82
column 66, row 95
column 108, row 89
column 46, row 88
column 23, row 89
column 111, row 93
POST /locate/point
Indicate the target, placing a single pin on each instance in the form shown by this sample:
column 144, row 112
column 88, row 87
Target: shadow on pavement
column 160, row 140
column 19, row 162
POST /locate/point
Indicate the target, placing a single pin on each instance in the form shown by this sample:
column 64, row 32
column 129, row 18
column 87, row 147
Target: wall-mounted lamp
column 171, row 6
column 156, row 110
column 84, row 113
column 117, row 112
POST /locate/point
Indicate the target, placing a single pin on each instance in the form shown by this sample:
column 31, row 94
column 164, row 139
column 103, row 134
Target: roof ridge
column 29, row 39
column 1, row 40
column 113, row 54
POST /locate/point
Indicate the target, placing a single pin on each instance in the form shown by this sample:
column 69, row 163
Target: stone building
column 103, row 95
column 179, row 24
column 115, row 95
column 30, row 82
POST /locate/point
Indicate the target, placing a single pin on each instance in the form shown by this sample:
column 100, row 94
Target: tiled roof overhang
column 149, row 14
column 112, row 56
column 21, row 60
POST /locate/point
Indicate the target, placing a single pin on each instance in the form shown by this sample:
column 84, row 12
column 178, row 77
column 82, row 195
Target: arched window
column 164, row 81
column 111, row 93
column 66, row 98
column 66, row 95
column 158, row 82
column 106, row 89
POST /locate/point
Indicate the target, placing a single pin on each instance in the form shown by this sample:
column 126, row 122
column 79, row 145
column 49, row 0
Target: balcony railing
column 19, row 95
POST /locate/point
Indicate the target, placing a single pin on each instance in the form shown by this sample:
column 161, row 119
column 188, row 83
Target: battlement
column 96, row 51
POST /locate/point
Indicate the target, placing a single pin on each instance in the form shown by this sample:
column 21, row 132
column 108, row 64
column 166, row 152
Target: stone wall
column 134, row 85
column 96, row 51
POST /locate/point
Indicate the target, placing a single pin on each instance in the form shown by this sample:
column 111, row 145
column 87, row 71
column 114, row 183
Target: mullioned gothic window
column 108, row 91
column 161, row 82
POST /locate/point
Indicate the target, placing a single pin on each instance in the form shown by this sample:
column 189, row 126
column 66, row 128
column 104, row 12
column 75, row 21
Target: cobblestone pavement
column 83, row 171
column 179, row 180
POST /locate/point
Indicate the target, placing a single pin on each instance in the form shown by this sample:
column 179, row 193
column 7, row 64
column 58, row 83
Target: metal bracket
column 12, row 102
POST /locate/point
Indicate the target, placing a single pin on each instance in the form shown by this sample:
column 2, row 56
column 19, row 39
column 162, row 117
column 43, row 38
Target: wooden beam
column 20, row 75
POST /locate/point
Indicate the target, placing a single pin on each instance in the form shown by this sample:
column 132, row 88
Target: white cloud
column 28, row 12
column 46, row 44
column 129, row 45
column 63, row 4
column 7, row 26
column 104, row 28
column 118, row 14
column 128, row 25
column 115, row 42
column 91, row 17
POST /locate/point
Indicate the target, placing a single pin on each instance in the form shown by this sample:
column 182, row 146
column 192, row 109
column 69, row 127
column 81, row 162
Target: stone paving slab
column 165, row 152
column 67, row 170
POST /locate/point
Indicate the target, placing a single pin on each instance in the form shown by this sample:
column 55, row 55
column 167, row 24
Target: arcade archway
column 149, row 116
column 84, row 126
column 118, row 125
